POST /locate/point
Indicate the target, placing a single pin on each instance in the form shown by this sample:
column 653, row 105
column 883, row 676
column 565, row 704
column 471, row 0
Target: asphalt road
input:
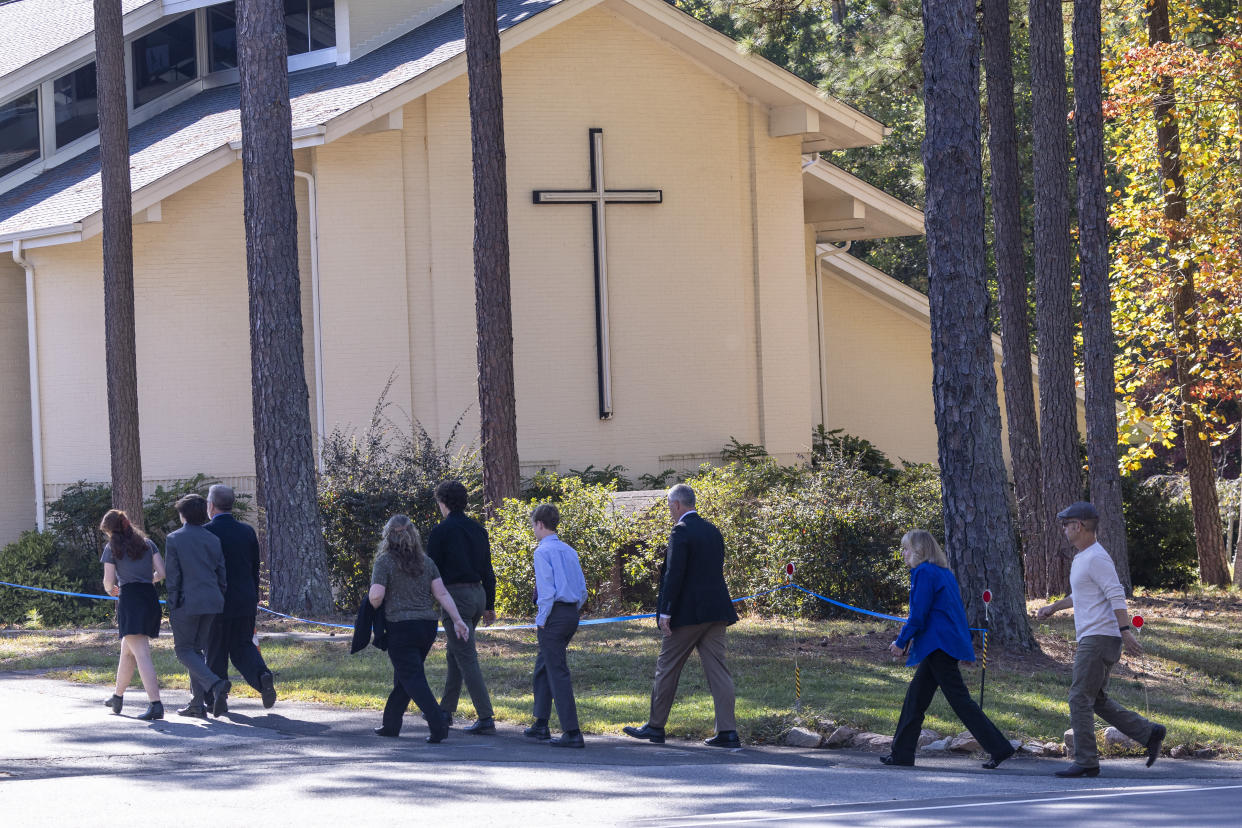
column 65, row 761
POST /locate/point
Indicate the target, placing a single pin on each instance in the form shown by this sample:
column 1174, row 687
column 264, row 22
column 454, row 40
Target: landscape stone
column 938, row 745
column 840, row 737
column 872, row 741
column 803, row 738
column 1205, row 753
column 965, row 743
column 1068, row 738
column 926, row 737
column 1180, row 752
column 1115, row 738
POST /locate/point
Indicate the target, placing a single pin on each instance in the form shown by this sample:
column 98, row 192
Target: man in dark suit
column 196, row 585
column 694, row 611
column 232, row 634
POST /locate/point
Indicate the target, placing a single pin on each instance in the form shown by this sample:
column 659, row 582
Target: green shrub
column 1160, row 535
column 37, row 559
column 368, row 478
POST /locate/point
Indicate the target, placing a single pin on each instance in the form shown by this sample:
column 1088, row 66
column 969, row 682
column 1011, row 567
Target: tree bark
column 120, row 350
column 978, row 533
column 284, row 456
column 492, row 302
column 1099, row 344
column 1038, row 546
column 1204, row 503
column 1058, row 403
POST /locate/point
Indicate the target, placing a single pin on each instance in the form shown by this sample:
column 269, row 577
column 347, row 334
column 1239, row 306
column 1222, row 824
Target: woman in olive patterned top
column 407, row 584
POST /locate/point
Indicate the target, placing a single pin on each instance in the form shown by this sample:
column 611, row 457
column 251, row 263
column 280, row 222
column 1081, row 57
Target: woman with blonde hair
column 132, row 565
column 406, row 583
column 938, row 637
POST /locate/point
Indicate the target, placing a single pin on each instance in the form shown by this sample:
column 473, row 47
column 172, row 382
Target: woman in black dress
column 132, row 565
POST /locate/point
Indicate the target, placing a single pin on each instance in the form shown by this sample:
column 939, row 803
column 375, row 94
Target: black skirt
column 138, row 611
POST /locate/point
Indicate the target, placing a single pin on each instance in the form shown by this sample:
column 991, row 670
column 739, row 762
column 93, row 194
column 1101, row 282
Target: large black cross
column 598, row 197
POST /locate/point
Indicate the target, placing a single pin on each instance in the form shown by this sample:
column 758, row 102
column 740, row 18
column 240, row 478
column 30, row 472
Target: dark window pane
column 222, row 36
column 77, row 105
column 164, row 60
column 19, row 131
column 322, row 24
column 297, row 28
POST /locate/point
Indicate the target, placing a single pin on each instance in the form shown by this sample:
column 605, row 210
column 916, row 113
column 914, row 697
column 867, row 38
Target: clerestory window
column 19, row 131
column 164, row 60
column 77, row 104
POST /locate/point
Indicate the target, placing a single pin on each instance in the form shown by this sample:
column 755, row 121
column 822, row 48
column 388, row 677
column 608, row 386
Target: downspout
column 820, row 255
column 36, row 414
column 317, row 326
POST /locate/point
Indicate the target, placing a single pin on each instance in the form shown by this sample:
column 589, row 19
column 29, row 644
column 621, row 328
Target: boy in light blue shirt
column 560, row 592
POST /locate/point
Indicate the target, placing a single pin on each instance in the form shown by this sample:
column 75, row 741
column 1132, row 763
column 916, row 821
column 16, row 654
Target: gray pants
column 1088, row 698
column 675, row 649
column 191, row 634
column 552, row 681
column 461, row 656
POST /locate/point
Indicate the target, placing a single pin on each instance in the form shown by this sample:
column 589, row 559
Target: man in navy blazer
column 694, row 610
column 232, row 634
column 196, row 585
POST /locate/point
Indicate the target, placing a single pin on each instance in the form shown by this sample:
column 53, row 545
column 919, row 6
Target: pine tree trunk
column 1097, row 315
column 492, row 303
column 1204, row 502
column 120, row 350
column 284, row 456
column 978, row 533
column 1054, row 322
column 1037, row 543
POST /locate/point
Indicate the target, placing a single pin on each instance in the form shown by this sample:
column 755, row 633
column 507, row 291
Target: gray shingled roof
column 70, row 192
column 30, row 29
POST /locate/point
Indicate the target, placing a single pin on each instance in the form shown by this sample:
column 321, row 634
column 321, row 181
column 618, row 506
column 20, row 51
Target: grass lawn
column 1190, row 679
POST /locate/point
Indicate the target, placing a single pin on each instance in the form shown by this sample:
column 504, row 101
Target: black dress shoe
column 194, row 711
column 483, row 727
column 649, row 732
column 220, row 704
column 994, row 762
column 448, row 718
column 438, row 735
column 724, row 739
column 385, row 732
column 267, row 689
column 1077, row 771
column 571, row 739
column 537, row 731
column 155, row 710
column 1154, row 741
column 895, row 762
column 115, row 703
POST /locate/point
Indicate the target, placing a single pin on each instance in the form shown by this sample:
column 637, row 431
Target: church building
column 679, row 250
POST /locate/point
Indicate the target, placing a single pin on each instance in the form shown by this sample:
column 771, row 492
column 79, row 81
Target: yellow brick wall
column 192, row 329
column 681, row 273
column 16, row 459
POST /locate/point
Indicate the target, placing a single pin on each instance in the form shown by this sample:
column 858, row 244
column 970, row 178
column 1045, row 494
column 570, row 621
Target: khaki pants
column 709, row 640
column 1088, row 698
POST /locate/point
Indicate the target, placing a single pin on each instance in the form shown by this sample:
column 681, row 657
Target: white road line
column 755, row 816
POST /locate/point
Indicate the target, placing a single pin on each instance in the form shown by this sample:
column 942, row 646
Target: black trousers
column 408, row 645
column 939, row 669
column 552, row 681
column 233, row 639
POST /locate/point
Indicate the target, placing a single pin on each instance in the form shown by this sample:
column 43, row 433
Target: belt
column 465, row 583
column 573, row 604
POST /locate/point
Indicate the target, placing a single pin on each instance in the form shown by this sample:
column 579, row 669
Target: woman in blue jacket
column 938, row 638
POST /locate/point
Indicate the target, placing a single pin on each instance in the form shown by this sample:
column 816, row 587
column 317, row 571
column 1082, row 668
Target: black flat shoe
column 895, row 762
column 438, row 735
column 385, row 732
column 115, row 703
column 649, row 732
column 483, row 727
column 540, row 732
column 267, row 690
column 1154, row 741
column 193, row 712
column 994, row 762
column 1077, row 772
column 155, row 710
column 573, row 739
column 220, row 704
column 724, row 739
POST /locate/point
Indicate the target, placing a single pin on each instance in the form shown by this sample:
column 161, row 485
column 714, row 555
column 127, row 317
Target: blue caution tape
column 587, row 623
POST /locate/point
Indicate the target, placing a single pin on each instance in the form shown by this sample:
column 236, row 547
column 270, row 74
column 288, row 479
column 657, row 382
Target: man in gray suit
column 196, row 584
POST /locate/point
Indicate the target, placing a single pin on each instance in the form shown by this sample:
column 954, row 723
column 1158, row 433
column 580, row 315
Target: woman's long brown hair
column 126, row 540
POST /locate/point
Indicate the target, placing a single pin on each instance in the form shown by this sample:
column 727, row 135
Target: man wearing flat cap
column 1102, row 626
